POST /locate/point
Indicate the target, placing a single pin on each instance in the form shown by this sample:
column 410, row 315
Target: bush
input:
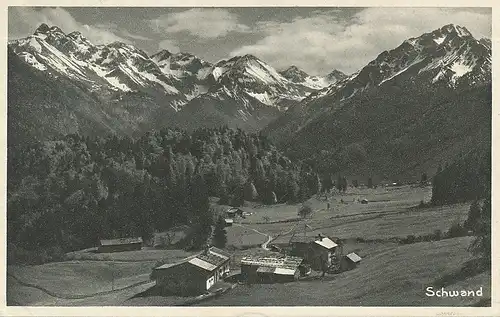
column 438, row 235
column 456, row 230
column 305, row 210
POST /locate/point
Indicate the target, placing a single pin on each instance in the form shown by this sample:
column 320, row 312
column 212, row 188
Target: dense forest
column 69, row 193
column 467, row 178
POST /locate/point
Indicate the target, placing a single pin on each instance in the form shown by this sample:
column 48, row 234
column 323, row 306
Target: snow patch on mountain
column 460, row 69
column 262, row 97
column 440, row 40
column 32, row 61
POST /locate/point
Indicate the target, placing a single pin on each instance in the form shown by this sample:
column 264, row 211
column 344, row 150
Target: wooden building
column 319, row 252
column 350, row 261
column 194, row 275
column 270, row 269
column 119, row 245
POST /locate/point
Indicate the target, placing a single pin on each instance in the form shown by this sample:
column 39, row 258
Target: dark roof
column 121, row 241
column 212, row 258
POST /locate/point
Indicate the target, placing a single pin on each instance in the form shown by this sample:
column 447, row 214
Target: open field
column 86, row 281
column 242, row 236
column 389, row 273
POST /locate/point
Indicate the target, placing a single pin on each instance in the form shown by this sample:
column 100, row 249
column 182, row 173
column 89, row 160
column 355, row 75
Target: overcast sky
column 317, row 40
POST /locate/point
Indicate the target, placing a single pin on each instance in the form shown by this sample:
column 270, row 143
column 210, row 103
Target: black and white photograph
column 253, row 156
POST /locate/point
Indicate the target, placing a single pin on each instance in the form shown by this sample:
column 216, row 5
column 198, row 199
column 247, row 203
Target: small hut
column 350, row 261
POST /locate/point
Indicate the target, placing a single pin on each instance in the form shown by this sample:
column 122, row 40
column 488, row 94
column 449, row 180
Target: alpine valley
column 409, row 109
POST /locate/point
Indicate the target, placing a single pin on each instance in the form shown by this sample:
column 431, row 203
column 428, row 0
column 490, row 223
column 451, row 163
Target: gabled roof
column 209, row 261
column 121, row 241
column 326, row 243
column 353, row 257
column 203, row 264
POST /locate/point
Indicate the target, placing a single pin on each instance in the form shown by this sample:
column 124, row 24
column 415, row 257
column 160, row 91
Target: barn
column 270, row 269
column 194, row 275
column 119, row 245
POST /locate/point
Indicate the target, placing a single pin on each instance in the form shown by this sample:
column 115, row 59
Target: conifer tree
column 220, row 235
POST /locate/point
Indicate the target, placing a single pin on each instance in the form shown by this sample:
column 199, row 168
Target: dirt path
column 263, row 245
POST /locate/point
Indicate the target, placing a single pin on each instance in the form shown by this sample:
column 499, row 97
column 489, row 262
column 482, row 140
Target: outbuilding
column 119, row 245
column 350, row 261
column 194, row 275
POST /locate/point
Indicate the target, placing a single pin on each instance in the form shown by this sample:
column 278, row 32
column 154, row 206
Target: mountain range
column 409, row 109
column 122, row 90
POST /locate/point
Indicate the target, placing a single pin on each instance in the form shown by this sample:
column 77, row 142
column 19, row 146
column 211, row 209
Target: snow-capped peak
column 449, row 56
column 294, row 74
column 161, row 55
column 45, row 29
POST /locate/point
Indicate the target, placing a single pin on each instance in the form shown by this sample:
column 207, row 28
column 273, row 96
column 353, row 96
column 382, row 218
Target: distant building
column 234, row 211
column 119, row 245
column 193, row 275
column 228, row 222
column 270, row 269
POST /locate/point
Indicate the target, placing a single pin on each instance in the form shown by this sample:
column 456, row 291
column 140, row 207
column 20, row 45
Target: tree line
column 467, row 178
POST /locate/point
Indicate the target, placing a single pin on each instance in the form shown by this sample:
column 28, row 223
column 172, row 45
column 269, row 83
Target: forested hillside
column 467, row 178
column 71, row 192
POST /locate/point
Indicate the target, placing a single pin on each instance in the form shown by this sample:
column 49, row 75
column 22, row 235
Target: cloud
column 169, row 45
column 135, row 36
column 24, row 21
column 202, row 23
column 326, row 41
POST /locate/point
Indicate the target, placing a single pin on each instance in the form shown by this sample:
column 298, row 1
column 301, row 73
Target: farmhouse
column 193, row 275
column 318, row 251
column 119, row 245
column 270, row 269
